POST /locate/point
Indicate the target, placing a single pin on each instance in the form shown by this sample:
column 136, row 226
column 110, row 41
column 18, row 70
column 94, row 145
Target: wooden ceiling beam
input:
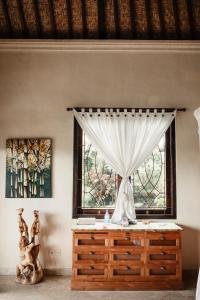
column 22, row 18
column 133, row 18
column 116, row 17
column 7, row 18
column 52, row 18
column 38, row 18
column 69, row 18
column 148, row 17
column 191, row 19
column 161, row 17
column 84, row 19
column 101, row 19
column 176, row 18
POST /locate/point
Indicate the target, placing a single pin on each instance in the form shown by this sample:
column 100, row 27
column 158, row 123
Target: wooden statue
column 35, row 229
column 29, row 270
column 23, row 228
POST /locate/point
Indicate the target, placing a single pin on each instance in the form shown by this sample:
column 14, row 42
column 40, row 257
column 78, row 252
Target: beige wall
column 35, row 89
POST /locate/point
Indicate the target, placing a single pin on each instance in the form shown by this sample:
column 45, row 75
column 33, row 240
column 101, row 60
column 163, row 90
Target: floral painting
column 28, row 168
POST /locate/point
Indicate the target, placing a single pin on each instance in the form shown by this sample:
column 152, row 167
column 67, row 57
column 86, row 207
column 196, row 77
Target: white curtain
column 124, row 140
column 198, row 287
column 197, row 116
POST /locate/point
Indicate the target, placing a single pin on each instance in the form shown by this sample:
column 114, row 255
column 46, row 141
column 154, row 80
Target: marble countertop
column 139, row 226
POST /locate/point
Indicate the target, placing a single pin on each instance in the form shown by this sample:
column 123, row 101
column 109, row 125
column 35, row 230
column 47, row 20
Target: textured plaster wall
column 35, row 89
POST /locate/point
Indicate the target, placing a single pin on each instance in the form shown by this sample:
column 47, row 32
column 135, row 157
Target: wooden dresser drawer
column 167, row 256
column 91, row 239
column 165, row 240
column 127, row 240
column 87, row 256
column 123, row 257
column 161, row 271
column 126, row 272
column 90, row 272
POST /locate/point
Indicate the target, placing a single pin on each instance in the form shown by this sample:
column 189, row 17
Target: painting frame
column 29, row 167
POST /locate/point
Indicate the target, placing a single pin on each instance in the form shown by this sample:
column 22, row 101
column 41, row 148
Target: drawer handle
column 92, row 238
column 128, row 268
column 127, row 238
column 162, row 253
column 163, row 268
column 91, row 252
column 127, row 253
column 162, row 238
column 91, row 267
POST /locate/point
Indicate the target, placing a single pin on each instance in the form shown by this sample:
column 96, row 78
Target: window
column 96, row 184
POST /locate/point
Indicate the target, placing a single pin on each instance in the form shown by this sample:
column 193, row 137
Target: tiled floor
column 58, row 288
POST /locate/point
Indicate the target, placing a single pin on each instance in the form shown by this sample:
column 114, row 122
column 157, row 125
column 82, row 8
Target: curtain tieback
column 124, row 182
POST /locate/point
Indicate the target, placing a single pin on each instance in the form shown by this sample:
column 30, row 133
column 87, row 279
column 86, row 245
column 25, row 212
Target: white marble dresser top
column 139, row 226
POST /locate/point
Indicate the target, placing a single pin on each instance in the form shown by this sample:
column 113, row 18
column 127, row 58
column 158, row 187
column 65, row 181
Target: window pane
column 149, row 180
column 99, row 182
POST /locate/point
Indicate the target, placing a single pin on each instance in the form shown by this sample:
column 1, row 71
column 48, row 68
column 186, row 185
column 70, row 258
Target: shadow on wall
column 50, row 252
column 190, row 248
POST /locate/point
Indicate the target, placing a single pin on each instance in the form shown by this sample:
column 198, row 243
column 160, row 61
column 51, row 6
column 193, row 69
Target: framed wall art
column 28, row 168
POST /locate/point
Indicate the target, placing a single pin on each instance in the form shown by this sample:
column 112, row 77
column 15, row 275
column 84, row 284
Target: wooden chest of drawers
column 126, row 260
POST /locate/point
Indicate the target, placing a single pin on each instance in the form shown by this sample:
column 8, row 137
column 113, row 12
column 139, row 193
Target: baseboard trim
column 68, row 272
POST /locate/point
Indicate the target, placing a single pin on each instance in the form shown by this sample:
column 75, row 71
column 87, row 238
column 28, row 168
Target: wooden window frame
column 168, row 213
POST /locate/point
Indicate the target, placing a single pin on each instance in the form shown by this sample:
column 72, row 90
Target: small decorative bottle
column 107, row 217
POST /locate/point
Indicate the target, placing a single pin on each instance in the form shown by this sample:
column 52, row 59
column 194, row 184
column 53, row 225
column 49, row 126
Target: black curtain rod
column 102, row 109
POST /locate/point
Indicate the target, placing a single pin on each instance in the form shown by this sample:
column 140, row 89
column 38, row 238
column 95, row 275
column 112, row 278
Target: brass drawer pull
column 91, row 268
column 163, row 268
column 91, row 252
column 128, row 268
column 162, row 238
column 92, row 238
column 127, row 238
column 162, row 253
column 127, row 253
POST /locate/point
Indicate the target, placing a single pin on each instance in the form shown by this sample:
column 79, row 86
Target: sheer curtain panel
column 124, row 139
column 197, row 116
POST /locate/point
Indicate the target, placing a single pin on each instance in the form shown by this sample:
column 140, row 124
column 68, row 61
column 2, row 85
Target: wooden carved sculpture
column 29, row 270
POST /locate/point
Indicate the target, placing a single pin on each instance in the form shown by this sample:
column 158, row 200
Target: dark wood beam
column 52, row 18
column 176, row 18
column 101, row 19
column 133, row 18
column 38, row 18
column 116, row 17
column 148, row 17
column 191, row 19
column 162, row 21
column 69, row 18
column 84, row 18
column 7, row 18
column 22, row 18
